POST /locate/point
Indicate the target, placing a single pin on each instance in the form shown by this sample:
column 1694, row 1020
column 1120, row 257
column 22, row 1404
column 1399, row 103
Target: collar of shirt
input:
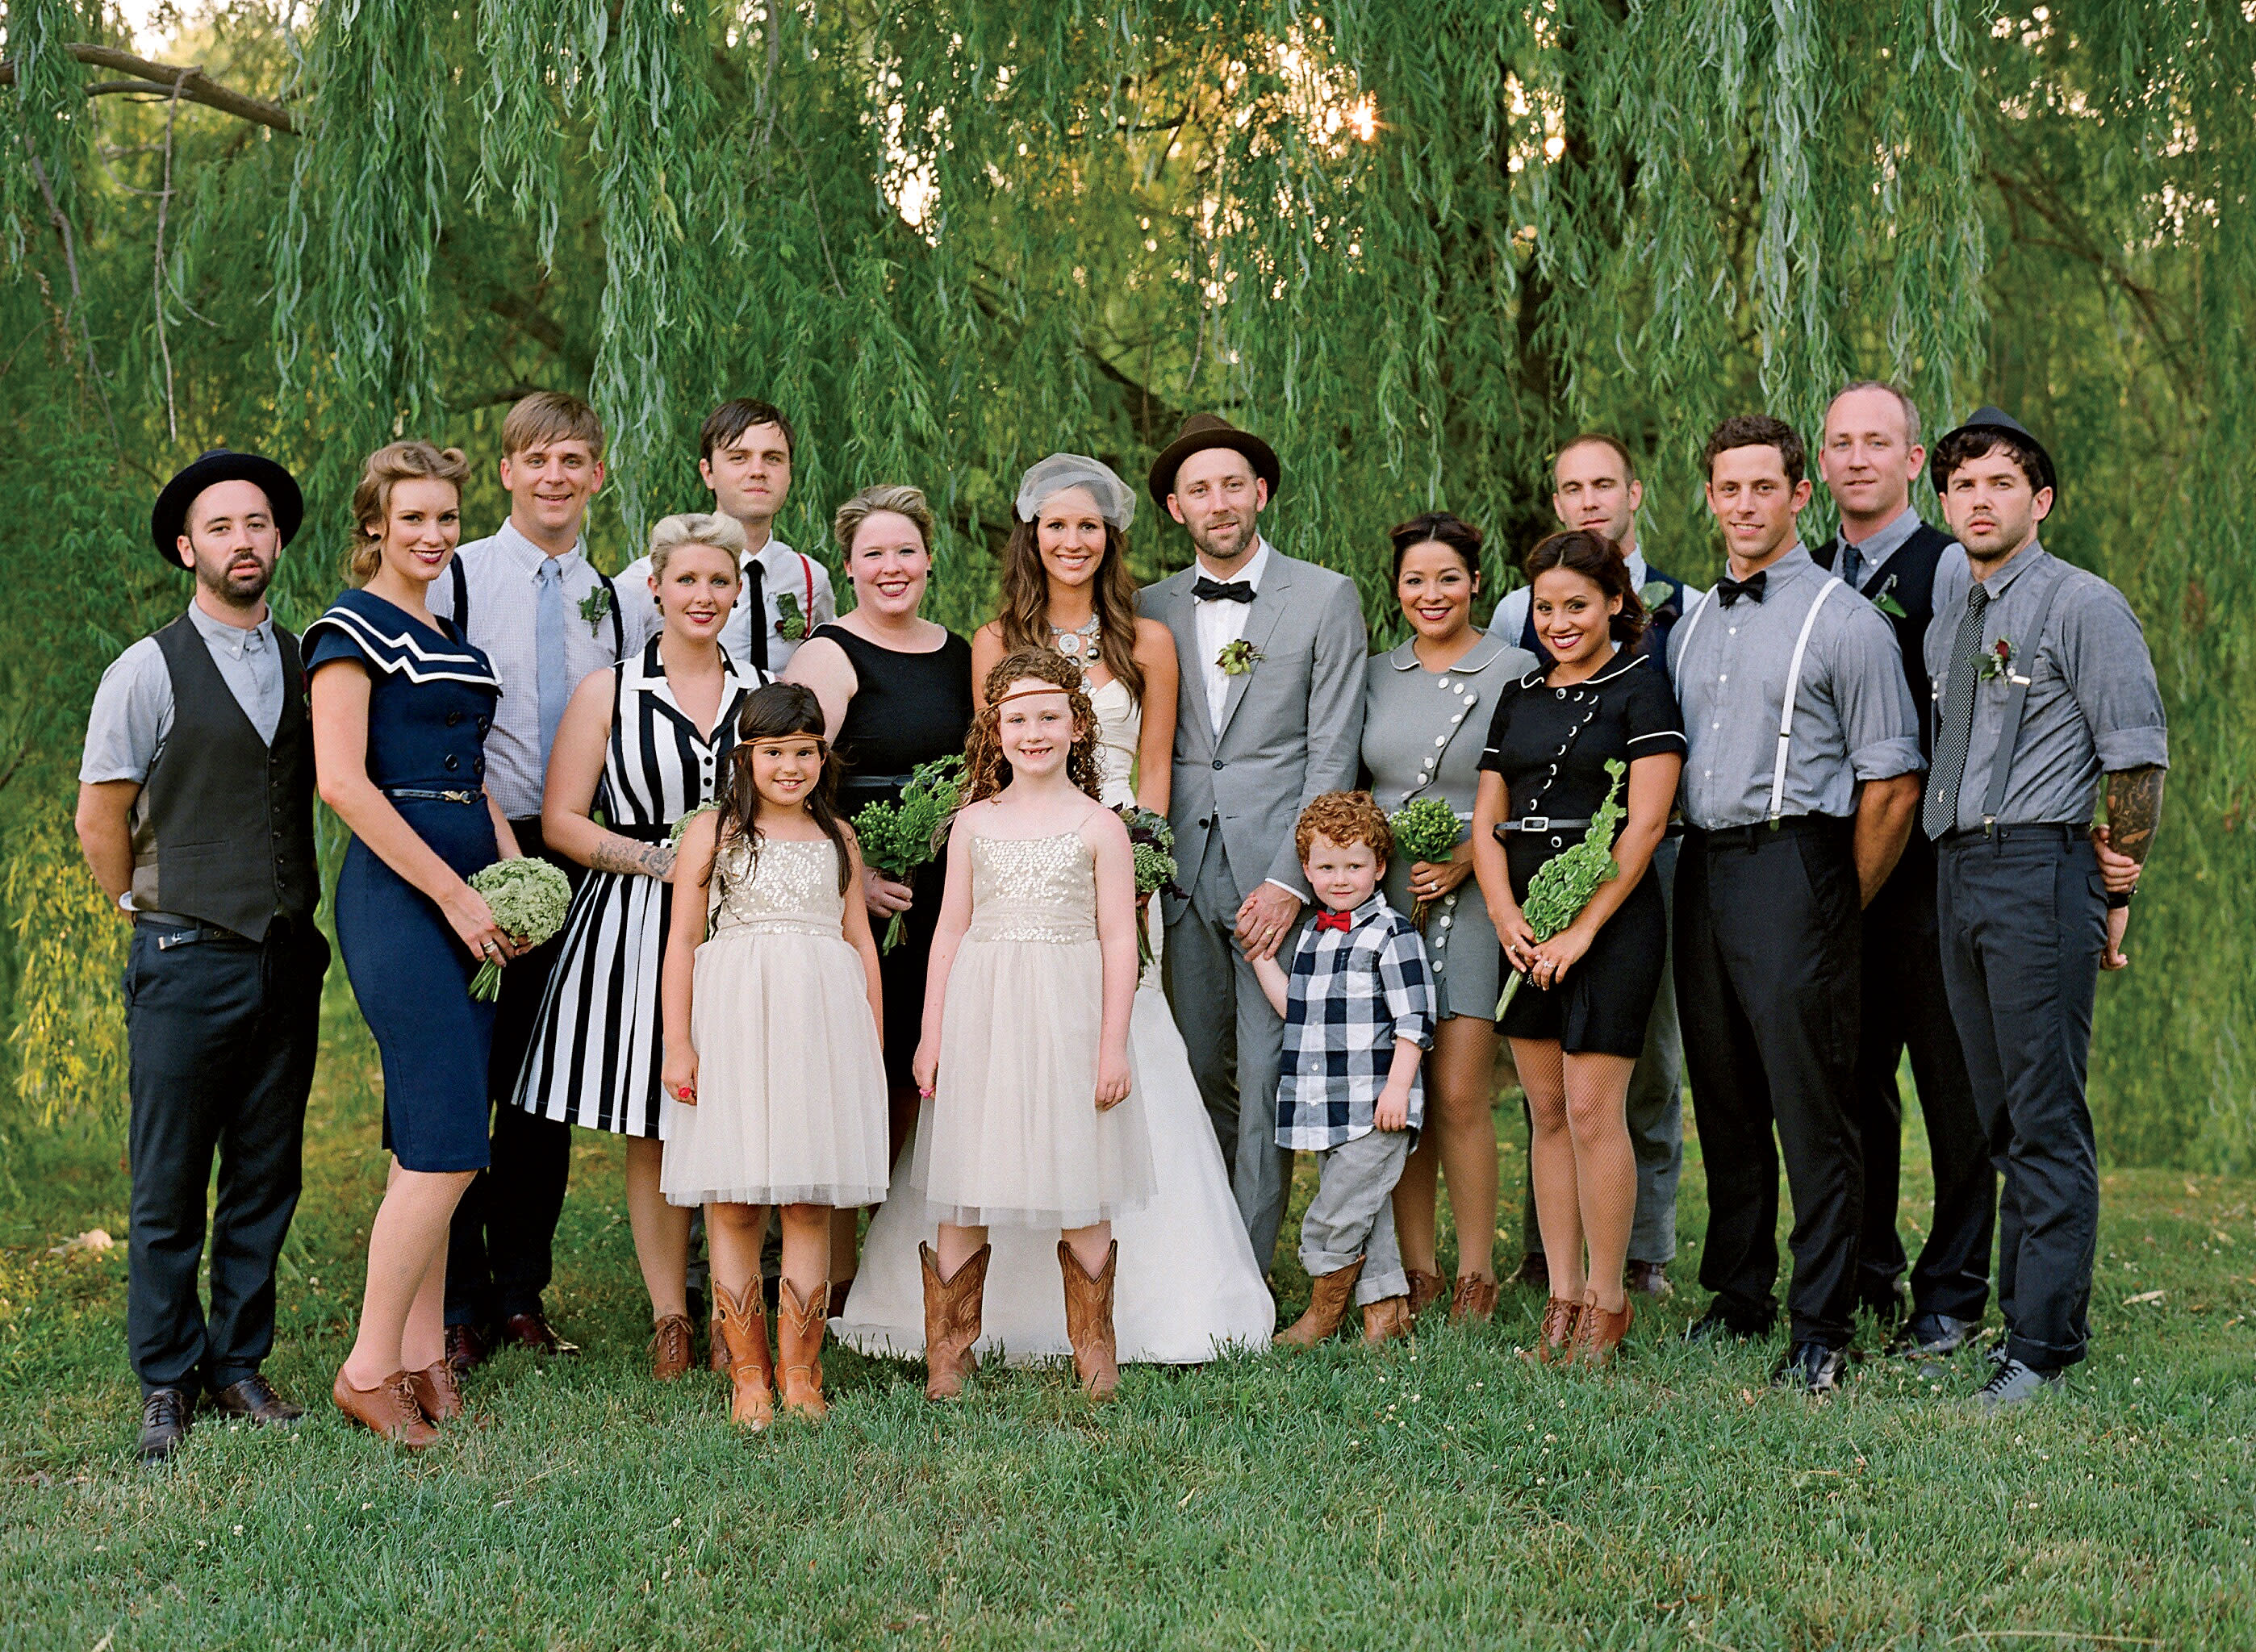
column 1639, row 573
column 778, row 560
column 1873, row 553
column 2028, row 557
column 237, row 640
column 1795, row 563
column 1249, row 574
column 528, row 557
column 1486, row 646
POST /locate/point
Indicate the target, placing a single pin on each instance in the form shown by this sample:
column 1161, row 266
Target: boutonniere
column 1885, row 601
column 1239, row 658
column 1995, row 661
column 596, row 606
column 790, row 624
column 1656, row 594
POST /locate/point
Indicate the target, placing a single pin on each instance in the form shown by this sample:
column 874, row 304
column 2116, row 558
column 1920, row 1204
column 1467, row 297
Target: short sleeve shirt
column 132, row 713
column 1552, row 745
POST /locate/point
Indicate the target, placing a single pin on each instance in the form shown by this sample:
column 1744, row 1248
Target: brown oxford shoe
column 533, row 1332
column 1474, row 1299
column 466, row 1349
column 166, row 1417
column 390, row 1410
column 1426, row 1289
column 1648, row 1279
column 438, row 1392
column 671, row 1350
column 255, row 1401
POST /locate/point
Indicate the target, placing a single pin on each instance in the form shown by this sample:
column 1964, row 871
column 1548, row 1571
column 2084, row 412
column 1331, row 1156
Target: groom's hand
column 1264, row 919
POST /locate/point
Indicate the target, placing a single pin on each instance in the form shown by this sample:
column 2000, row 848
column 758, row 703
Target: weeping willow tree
column 1416, row 245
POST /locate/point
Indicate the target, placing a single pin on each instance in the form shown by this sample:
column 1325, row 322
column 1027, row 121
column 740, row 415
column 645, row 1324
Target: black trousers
column 501, row 1250
column 221, row 1034
column 2024, row 918
column 1906, row 1007
column 1768, row 967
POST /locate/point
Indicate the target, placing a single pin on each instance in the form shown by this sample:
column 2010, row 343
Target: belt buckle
column 178, row 937
column 1534, row 823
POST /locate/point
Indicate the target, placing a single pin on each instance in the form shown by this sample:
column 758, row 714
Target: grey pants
column 1235, row 1043
column 1655, row 1108
column 1352, row 1214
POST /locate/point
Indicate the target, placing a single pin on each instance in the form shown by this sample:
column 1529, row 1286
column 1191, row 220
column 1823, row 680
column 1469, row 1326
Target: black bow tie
column 1221, row 590
column 1729, row 591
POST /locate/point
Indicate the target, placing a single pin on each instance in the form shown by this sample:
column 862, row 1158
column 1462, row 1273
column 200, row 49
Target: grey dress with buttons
column 1422, row 734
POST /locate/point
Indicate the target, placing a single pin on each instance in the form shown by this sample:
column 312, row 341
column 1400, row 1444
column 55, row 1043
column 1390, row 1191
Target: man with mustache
column 1273, row 651
column 1595, row 488
column 2045, row 693
column 195, row 811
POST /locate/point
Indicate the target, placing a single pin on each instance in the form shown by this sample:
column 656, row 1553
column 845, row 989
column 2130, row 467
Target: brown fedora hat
column 1200, row 431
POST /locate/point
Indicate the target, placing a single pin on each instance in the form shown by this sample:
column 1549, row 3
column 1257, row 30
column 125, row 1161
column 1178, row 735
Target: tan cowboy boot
column 1386, row 1320
column 1329, row 1300
column 799, row 1324
column 751, row 1367
column 951, row 1321
column 1089, row 1320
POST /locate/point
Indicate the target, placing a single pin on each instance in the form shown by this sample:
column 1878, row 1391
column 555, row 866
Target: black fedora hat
column 1202, row 431
column 1997, row 420
column 169, row 520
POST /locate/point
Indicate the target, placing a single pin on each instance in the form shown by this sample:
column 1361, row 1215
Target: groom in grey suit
column 1270, row 717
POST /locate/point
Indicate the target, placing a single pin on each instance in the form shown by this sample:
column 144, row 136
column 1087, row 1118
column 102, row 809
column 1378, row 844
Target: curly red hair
column 1345, row 818
column 986, row 771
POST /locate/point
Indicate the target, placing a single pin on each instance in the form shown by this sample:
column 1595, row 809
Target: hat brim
column 168, row 520
column 1171, row 458
column 2013, row 432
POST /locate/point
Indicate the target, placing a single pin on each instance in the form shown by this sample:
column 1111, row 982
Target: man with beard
column 195, row 811
column 1272, row 653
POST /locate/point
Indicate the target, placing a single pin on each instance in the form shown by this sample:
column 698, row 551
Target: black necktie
column 1853, row 567
column 1729, row 591
column 1954, row 733
column 756, row 611
column 1221, row 590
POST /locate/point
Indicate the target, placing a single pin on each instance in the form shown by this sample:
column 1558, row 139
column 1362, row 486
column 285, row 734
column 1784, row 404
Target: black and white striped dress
column 597, row 1043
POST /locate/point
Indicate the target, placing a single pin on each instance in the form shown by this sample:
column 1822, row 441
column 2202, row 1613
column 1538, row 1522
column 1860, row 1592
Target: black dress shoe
column 1716, row 1326
column 1648, row 1279
column 254, row 1401
column 1932, row 1336
column 1534, row 1272
column 166, row 1415
column 466, row 1349
column 1811, row 1367
column 533, row 1332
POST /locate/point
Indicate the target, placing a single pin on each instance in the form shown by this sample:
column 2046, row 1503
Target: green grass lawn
column 1439, row 1493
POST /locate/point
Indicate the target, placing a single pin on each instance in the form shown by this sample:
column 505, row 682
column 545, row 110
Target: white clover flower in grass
column 528, row 897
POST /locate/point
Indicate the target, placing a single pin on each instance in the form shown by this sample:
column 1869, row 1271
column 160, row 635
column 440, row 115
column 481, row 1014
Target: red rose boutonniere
column 1995, row 661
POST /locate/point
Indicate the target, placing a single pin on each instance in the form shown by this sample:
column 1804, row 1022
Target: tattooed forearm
column 636, row 860
column 2134, row 809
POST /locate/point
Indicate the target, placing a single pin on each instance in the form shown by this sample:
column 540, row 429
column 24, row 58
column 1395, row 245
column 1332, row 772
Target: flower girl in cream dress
column 1030, row 1118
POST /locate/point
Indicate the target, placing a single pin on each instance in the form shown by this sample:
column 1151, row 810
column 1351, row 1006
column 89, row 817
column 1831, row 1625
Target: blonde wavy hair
column 986, row 771
column 385, row 469
column 669, row 534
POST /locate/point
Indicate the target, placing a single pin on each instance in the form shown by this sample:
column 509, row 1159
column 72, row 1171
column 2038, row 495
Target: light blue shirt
column 132, row 714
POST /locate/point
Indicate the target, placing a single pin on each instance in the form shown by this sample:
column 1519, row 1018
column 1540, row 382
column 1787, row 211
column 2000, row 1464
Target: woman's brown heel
column 1600, row 1332
column 1555, row 1342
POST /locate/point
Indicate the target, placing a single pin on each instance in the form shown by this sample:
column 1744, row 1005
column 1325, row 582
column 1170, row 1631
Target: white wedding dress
column 1187, row 1287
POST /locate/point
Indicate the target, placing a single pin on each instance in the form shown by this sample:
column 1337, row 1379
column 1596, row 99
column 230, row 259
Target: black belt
column 1543, row 823
column 419, row 794
column 1753, row 837
column 2063, row 831
column 173, row 929
column 642, row 834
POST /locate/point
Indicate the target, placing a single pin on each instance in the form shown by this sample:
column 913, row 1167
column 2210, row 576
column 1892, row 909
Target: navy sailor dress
column 431, row 701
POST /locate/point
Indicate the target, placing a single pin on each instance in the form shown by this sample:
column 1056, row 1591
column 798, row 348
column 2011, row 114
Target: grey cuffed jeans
column 1352, row 1214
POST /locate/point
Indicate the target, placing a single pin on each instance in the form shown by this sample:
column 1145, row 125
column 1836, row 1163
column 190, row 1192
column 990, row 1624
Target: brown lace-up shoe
column 438, row 1395
column 751, row 1367
column 801, row 1322
column 1556, row 1338
column 951, row 1320
column 672, row 1347
column 466, row 1349
column 389, row 1409
column 532, row 1332
column 1089, row 1320
column 1474, row 1299
column 1329, row 1297
column 1426, row 1289
column 1598, row 1333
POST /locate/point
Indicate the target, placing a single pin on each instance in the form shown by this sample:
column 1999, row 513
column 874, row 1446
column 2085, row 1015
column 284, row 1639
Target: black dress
column 907, row 709
column 1551, row 745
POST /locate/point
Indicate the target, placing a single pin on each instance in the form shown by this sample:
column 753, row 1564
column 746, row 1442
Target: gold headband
column 1023, row 693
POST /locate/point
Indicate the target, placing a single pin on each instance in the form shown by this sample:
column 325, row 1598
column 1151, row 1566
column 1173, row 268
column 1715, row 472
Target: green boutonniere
column 1995, row 661
column 790, row 624
column 1885, row 601
column 596, row 606
column 1239, row 658
column 1656, row 594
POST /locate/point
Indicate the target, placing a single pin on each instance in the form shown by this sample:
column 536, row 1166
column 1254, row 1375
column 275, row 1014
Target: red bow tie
column 1340, row 921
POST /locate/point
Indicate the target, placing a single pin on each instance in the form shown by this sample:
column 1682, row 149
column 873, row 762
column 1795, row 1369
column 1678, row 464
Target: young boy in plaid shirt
column 1359, row 1012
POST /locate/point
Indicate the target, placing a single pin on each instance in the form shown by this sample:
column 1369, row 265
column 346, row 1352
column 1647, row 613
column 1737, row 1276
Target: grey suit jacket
column 1292, row 728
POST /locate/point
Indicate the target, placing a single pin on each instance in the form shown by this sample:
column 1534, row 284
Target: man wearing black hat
column 2043, row 684
column 1273, row 651
column 195, row 811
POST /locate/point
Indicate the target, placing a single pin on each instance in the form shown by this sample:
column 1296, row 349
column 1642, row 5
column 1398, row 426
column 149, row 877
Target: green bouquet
column 528, row 898
column 1563, row 886
column 898, row 838
column 1426, row 830
column 1152, row 841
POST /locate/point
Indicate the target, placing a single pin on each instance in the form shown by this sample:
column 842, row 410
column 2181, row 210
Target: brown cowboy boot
column 951, row 1321
column 1328, row 1299
column 751, row 1367
column 801, row 1322
column 1562, row 1320
column 1089, row 1320
column 1426, row 1289
column 1386, row 1320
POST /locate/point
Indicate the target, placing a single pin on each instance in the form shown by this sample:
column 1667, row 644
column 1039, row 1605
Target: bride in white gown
column 1188, row 1288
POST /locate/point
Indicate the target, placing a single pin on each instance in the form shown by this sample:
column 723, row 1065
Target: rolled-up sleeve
column 1878, row 723
column 132, row 713
column 2113, row 678
column 1408, row 986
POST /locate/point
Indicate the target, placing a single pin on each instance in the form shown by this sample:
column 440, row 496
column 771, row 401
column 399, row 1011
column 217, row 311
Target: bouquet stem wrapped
column 529, row 899
column 899, row 839
column 1563, row 886
column 1427, row 831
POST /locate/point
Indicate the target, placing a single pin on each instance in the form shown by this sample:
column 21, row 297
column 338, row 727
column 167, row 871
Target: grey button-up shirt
column 132, row 714
column 1872, row 555
column 1853, row 718
column 2093, row 708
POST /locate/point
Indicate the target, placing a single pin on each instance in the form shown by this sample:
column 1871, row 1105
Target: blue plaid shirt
column 1348, row 996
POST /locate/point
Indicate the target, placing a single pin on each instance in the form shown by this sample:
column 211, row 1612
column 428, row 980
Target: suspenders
column 2017, row 697
column 463, row 606
column 1793, row 684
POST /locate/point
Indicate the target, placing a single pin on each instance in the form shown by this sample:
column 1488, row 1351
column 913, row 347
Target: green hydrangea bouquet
column 529, row 899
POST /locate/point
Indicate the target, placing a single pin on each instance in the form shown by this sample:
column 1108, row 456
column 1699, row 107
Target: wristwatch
column 2118, row 899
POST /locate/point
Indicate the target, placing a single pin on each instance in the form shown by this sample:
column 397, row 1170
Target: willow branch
column 168, row 79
